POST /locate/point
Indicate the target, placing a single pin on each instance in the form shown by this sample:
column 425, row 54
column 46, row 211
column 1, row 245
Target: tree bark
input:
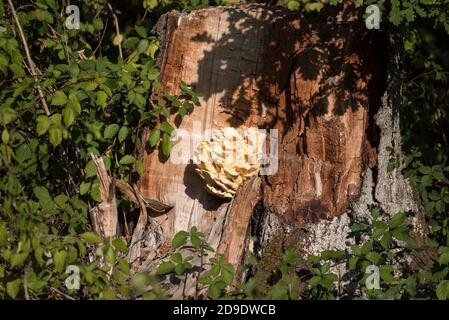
column 325, row 84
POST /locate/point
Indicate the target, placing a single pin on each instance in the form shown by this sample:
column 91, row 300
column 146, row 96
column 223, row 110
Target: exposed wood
column 235, row 234
column 312, row 81
column 319, row 82
column 104, row 215
column 152, row 204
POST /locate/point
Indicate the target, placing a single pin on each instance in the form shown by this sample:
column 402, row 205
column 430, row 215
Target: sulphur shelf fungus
column 230, row 157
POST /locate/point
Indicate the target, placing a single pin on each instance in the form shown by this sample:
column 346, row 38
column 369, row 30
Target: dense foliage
column 69, row 93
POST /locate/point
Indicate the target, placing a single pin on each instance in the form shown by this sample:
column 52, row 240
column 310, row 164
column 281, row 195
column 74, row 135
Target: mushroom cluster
column 229, row 158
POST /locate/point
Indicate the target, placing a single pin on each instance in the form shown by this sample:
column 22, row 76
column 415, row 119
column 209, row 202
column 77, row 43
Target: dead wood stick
column 134, row 248
column 152, row 204
column 107, row 209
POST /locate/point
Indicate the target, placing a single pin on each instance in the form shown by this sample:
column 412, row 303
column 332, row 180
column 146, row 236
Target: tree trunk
column 325, row 89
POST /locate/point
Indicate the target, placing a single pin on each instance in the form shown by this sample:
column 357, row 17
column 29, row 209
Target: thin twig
column 31, row 64
column 117, row 29
column 101, row 39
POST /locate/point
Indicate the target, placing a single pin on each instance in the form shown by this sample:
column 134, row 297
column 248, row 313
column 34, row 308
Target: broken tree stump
column 319, row 82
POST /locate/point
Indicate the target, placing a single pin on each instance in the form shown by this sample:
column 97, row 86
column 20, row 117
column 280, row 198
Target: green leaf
column 293, row 5
column 122, row 134
column 165, row 267
column 176, row 257
column 425, row 170
column 443, row 290
column 18, row 259
column 5, row 136
column 17, row 70
column 179, row 239
column 59, row 260
column 385, row 242
column 55, row 136
column 167, row 145
column 397, row 220
column 142, row 46
column 95, row 192
column 90, row 237
column 41, row 193
column 127, row 160
column 59, row 99
column 373, row 256
column 85, row 187
column 180, row 269
column 102, row 99
column 110, row 131
column 43, row 123
column 166, row 127
column 68, row 116
column 23, row 153
column 3, row 235
column 155, row 136
column 120, row 245
column 385, row 272
column 90, row 170
column 141, row 31
column 13, row 287
column 214, row 292
column 444, row 258
column 139, row 167
column 196, row 241
column 7, row 115
column 352, row 262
